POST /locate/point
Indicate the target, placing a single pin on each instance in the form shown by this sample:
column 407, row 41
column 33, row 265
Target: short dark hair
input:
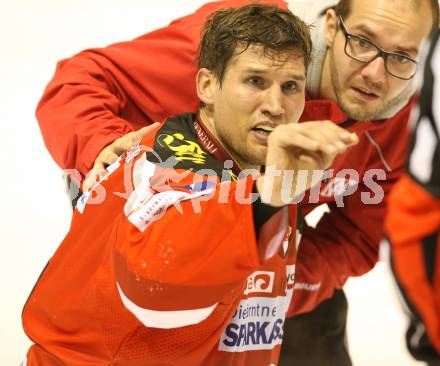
column 343, row 8
column 277, row 30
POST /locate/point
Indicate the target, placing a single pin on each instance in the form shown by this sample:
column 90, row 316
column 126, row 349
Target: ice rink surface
column 35, row 211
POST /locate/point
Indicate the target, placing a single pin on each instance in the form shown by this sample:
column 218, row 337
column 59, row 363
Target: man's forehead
column 405, row 13
column 401, row 24
column 398, row 5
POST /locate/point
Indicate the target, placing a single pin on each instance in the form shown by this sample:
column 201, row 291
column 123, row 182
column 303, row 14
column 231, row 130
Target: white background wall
column 35, row 211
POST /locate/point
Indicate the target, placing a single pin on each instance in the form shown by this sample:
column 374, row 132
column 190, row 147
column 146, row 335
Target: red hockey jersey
column 174, row 275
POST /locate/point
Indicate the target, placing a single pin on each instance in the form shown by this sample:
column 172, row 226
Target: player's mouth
column 262, row 131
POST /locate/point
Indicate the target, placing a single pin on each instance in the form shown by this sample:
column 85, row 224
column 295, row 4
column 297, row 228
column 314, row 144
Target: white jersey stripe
column 166, row 319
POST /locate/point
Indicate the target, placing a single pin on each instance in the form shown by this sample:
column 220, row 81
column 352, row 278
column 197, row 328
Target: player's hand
column 301, row 148
column 111, row 152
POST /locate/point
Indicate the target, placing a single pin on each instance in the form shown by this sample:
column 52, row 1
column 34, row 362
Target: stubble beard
column 249, row 157
column 352, row 111
column 243, row 154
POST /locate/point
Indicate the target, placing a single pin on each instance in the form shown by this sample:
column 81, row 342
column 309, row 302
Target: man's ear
column 331, row 26
column 206, row 84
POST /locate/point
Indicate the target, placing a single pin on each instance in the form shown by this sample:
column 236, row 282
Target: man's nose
column 273, row 101
column 375, row 71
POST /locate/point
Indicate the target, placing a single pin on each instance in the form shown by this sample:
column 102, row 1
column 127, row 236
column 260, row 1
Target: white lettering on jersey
column 144, row 205
column 307, row 286
column 257, row 323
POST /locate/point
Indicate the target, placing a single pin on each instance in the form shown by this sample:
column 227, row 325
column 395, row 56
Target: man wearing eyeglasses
column 369, row 62
column 364, row 60
column 397, row 64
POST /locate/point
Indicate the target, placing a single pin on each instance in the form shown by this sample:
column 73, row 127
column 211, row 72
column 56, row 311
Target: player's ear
column 331, row 26
column 206, row 84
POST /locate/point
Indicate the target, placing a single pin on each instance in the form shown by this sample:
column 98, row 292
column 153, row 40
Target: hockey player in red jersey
column 194, row 268
column 100, row 97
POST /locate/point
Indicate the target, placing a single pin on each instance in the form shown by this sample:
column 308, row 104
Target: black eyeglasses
column 362, row 50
